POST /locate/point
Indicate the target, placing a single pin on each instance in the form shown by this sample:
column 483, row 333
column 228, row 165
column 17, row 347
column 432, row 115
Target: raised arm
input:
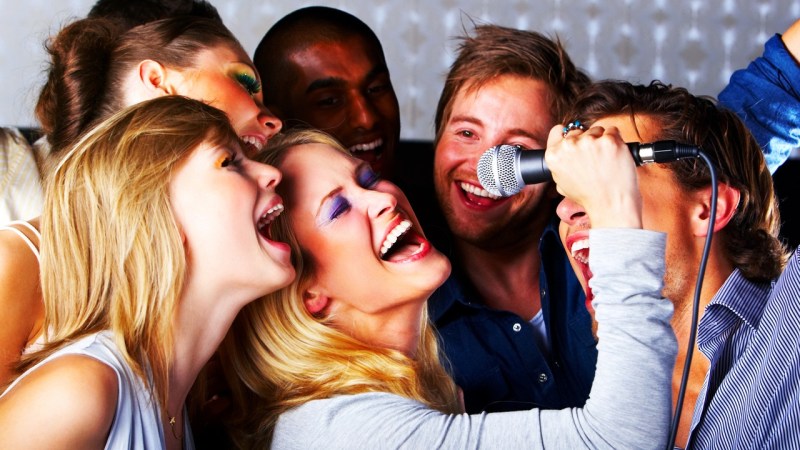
column 630, row 402
column 791, row 39
column 765, row 96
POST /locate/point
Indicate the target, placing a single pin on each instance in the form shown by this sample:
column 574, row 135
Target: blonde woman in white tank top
column 21, row 308
column 140, row 282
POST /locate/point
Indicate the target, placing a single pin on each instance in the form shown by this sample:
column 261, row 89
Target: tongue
column 402, row 251
column 587, row 275
column 480, row 201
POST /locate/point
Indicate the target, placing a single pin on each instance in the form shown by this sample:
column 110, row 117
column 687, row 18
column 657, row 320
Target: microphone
column 504, row 169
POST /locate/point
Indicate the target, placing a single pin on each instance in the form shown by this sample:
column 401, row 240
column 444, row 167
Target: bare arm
column 67, row 403
column 21, row 308
column 791, row 39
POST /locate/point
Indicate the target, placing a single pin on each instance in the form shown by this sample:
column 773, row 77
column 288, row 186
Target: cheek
column 387, row 106
column 326, row 119
column 236, row 103
column 444, row 156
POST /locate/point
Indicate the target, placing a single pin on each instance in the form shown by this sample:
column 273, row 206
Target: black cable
column 696, row 302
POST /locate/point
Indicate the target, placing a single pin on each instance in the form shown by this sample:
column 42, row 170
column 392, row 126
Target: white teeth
column 474, row 190
column 395, row 234
column 365, row 147
column 270, row 215
column 577, row 246
column 254, row 141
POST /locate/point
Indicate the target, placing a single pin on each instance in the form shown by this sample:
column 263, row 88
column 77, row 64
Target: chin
column 440, row 273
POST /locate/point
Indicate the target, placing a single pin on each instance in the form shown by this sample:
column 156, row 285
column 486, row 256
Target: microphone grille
column 496, row 170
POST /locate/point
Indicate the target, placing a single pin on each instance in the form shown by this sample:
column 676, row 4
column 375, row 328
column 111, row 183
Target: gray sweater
column 629, row 405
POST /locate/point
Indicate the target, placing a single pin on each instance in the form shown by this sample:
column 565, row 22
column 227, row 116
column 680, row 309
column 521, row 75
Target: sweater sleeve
column 630, row 400
column 766, row 96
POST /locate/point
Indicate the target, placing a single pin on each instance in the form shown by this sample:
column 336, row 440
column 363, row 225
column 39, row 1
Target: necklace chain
column 172, row 422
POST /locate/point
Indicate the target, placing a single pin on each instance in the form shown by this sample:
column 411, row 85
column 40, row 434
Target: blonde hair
column 285, row 356
column 112, row 256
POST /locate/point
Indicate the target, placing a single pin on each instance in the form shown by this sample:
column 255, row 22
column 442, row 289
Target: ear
column 315, row 301
column 153, row 77
column 727, row 205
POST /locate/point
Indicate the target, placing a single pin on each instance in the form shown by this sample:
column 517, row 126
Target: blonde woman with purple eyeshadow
column 346, row 357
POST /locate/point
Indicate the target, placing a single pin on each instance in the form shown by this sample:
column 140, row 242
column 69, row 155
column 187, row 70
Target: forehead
column 509, row 101
column 642, row 129
column 311, row 170
column 349, row 57
column 639, row 129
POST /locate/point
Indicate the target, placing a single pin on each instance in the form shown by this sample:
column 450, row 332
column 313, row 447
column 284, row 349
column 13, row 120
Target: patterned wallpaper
column 692, row 43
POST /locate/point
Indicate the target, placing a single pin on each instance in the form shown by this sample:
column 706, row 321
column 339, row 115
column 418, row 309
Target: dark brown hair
column 750, row 240
column 91, row 57
column 137, row 12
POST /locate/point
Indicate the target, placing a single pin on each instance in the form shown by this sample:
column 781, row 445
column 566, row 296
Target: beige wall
column 693, row 43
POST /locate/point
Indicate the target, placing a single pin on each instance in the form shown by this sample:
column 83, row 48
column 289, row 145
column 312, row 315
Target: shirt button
column 542, row 377
column 544, row 292
column 516, row 327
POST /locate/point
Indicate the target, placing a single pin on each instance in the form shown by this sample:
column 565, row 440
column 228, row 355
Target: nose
column 265, row 175
column 570, row 212
column 271, row 121
column 379, row 203
column 362, row 113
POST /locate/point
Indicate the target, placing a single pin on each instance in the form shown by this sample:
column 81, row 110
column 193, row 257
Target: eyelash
column 248, row 82
column 368, row 179
column 466, row 134
column 340, row 207
column 230, row 160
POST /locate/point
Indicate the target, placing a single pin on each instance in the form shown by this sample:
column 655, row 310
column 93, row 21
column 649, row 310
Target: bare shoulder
column 17, row 261
column 21, row 308
column 68, row 402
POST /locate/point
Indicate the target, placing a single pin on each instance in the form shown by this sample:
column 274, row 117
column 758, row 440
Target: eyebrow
column 324, row 83
column 325, row 200
column 329, row 82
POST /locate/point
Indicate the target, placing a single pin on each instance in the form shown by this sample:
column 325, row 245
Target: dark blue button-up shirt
column 493, row 355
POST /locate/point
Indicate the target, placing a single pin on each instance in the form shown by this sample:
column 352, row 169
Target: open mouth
column 402, row 243
column 475, row 191
column 476, row 196
column 369, row 151
column 252, row 145
column 264, row 224
column 376, row 146
column 579, row 249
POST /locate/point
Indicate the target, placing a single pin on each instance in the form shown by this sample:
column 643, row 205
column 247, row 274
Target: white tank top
column 33, row 246
column 137, row 420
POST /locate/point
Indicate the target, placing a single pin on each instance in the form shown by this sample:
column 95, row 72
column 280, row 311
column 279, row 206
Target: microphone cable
column 696, row 302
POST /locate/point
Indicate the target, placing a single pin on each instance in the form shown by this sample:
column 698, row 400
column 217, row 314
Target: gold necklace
column 172, row 422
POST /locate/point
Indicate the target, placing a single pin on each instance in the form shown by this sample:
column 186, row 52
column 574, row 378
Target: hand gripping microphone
column 505, row 169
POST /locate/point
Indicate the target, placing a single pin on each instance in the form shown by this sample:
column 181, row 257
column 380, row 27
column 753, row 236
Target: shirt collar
column 743, row 297
column 455, row 291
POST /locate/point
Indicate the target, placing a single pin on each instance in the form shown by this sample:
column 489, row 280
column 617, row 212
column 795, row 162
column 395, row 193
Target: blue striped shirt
column 751, row 395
